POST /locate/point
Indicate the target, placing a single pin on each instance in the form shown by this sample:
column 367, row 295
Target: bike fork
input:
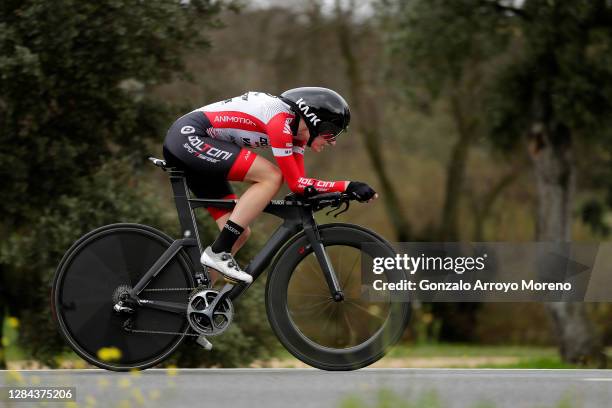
column 313, row 235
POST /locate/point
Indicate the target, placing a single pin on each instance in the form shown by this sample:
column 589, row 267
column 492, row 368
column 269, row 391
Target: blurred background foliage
column 455, row 103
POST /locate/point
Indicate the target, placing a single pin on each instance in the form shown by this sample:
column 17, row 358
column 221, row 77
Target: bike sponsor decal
column 187, row 130
column 305, row 108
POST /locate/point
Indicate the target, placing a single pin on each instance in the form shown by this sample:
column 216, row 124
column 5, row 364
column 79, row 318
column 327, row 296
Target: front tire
column 330, row 335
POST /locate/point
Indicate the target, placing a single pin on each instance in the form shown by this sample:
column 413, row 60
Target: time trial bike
column 132, row 289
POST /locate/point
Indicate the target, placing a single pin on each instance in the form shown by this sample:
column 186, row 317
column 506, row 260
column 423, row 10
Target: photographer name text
column 478, row 285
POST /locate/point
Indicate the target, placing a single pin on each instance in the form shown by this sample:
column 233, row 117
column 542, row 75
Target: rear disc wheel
column 98, row 267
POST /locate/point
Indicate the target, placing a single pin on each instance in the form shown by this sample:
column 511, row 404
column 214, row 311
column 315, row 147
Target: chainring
column 205, row 321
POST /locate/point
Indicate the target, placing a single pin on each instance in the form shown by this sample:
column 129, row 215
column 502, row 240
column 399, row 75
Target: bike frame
column 296, row 216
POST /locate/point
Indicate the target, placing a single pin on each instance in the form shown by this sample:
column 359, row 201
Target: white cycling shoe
column 226, row 265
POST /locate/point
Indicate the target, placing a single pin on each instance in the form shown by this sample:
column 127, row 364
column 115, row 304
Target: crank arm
column 220, row 297
column 172, row 307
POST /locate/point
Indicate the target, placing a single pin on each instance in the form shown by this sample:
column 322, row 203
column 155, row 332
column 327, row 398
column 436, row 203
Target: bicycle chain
column 166, row 289
column 162, row 332
column 159, row 331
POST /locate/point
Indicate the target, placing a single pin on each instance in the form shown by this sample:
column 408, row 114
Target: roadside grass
column 533, row 357
column 470, row 350
column 537, row 363
column 452, row 355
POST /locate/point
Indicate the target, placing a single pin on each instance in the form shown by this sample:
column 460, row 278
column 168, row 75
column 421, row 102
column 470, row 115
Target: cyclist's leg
column 267, row 179
column 222, row 220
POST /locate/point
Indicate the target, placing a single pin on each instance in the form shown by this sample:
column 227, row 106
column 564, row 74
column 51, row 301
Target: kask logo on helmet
column 304, row 108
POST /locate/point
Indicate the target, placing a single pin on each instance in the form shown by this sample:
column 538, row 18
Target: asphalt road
column 305, row 388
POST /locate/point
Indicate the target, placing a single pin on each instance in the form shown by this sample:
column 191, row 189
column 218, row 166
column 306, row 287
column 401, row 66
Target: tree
column 72, row 131
column 550, row 92
column 451, row 66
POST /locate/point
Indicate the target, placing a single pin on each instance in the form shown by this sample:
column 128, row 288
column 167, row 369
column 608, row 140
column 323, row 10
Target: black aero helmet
column 323, row 110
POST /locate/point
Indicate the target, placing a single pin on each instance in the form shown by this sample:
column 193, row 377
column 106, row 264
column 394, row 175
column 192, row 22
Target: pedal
column 203, row 341
column 202, row 279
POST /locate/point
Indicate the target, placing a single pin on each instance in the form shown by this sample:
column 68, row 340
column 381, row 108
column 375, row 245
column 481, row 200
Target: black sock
column 227, row 238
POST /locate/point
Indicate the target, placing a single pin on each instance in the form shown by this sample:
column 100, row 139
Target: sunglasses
column 330, row 137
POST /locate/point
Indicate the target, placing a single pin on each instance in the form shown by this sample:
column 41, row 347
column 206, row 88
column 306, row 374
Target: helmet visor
column 330, row 137
column 329, row 130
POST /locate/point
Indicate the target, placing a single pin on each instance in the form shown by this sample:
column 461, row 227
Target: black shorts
column 209, row 164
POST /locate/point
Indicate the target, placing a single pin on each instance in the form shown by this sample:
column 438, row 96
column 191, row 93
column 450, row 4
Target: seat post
column 187, row 220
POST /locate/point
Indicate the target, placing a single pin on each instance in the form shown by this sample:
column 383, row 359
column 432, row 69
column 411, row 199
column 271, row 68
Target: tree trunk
column 551, row 152
column 455, row 172
column 483, row 206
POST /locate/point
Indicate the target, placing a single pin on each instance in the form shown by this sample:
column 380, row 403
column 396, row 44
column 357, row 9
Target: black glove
column 361, row 191
column 310, row 191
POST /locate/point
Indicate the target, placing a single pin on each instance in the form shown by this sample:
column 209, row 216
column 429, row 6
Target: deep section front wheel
column 95, row 269
column 320, row 331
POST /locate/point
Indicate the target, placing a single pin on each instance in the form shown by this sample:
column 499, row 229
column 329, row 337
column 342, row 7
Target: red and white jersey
column 244, row 120
column 258, row 119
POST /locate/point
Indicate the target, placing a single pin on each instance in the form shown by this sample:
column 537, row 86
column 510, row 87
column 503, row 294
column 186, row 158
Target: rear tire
column 86, row 279
column 330, row 335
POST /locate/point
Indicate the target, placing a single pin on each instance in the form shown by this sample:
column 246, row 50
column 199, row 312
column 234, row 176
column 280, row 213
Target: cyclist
column 210, row 145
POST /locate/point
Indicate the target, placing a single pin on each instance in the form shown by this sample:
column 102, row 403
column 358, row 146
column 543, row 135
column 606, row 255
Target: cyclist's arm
column 282, row 149
column 298, row 155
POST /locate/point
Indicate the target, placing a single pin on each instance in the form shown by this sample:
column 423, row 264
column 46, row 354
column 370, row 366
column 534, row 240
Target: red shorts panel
column 217, row 213
column 241, row 165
